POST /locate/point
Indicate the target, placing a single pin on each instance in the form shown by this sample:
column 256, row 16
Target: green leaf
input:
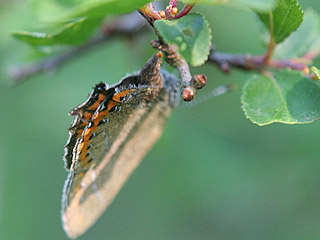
column 86, row 16
column 301, row 41
column 261, row 5
column 316, row 72
column 284, row 19
column 285, row 96
column 62, row 10
column 191, row 34
column 72, row 33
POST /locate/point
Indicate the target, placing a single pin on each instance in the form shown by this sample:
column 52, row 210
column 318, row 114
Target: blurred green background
column 212, row 175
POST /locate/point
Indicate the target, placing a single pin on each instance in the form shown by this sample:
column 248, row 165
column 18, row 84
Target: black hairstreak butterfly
column 112, row 131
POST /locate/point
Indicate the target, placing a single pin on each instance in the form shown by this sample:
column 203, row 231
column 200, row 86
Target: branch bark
column 227, row 61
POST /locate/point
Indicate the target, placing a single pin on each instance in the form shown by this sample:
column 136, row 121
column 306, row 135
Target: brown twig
column 189, row 85
column 225, row 61
column 20, row 74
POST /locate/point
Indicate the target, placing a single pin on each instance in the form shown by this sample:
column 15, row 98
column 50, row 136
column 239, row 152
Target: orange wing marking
column 97, row 117
column 97, row 103
column 119, row 96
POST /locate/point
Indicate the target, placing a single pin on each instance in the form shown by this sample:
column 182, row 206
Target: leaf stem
column 149, row 11
column 272, row 44
column 186, row 9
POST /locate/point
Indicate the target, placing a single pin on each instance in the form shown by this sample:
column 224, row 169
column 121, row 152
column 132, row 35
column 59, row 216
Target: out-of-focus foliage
column 76, row 20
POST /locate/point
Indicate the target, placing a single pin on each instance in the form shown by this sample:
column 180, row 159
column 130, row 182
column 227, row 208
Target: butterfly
column 111, row 132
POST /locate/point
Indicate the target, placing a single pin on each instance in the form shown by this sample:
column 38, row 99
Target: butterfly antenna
column 221, row 90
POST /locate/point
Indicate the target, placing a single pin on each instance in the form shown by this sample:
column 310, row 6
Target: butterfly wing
column 120, row 140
